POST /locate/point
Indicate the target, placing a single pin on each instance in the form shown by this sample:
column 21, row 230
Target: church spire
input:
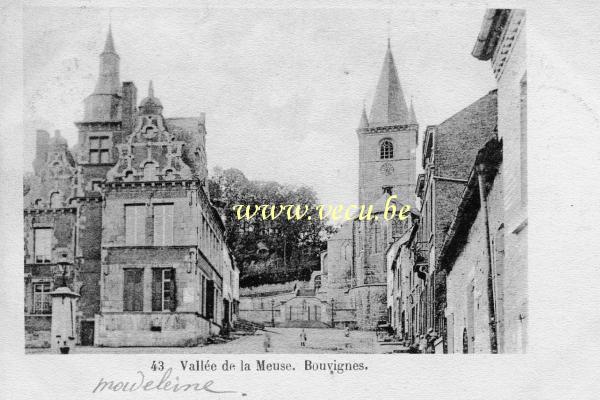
column 364, row 121
column 412, row 117
column 389, row 106
column 109, row 44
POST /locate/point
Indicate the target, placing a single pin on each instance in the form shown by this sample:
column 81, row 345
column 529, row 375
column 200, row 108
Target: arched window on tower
column 386, row 150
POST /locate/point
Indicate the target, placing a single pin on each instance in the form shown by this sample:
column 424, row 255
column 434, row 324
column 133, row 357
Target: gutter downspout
column 490, row 281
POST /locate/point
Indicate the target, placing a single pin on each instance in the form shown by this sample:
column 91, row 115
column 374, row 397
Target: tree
column 269, row 251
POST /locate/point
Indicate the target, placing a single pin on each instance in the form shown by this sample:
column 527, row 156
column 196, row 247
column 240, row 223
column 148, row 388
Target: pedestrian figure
column 302, row 338
column 422, row 344
column 347, row 335
column 431, row 337
column 267, row 342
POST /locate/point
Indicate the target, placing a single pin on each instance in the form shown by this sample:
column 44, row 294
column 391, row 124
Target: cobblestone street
column 283, row 341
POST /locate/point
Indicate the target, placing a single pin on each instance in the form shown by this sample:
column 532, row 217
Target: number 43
column 157, row 366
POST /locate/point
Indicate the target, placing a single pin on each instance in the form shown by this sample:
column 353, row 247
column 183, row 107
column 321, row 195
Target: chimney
column 42, row 143
column 128, row 106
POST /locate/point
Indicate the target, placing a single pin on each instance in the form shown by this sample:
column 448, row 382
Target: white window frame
column 44, row 297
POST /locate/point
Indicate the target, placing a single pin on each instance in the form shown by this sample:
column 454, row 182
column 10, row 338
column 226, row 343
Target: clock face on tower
column 387, row 169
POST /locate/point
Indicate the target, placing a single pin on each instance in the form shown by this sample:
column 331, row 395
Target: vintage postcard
column 226, row 193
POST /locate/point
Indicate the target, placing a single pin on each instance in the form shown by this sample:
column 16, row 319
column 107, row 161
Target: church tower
column 387, row 140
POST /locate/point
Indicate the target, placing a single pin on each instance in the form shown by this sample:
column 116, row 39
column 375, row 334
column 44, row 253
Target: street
column 283, row 341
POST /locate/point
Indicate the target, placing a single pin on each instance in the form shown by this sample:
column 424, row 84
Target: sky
column 282, row 89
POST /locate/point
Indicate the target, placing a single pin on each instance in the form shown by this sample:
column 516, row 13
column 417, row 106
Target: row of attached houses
column 124, row 220
column 458, row 278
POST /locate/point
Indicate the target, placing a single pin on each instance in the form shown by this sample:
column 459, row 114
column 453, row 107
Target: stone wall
column 151, row 329
column 37, row 330
column 467, row 282
column 370, row 303
column 512, row 129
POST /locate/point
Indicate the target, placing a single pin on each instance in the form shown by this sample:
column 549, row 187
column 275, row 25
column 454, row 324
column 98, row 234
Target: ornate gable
column 151, row 153
column 55, row 183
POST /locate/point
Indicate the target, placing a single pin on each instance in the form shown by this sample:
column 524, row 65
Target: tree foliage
column 269, row 251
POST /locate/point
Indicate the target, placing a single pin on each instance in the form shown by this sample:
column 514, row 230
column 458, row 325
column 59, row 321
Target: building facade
column 502, row 40
column 473, row 257
column 461, row 276
column 448, row 152
column 127, row 209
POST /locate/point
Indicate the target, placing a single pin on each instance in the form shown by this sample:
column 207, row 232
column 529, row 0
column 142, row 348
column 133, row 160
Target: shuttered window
column 135, row 225
column 164, row 292
column 133, row 293
column 43, row 245
column 163, row 224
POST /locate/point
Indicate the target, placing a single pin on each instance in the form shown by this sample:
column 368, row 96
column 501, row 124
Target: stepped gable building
column 127, row 211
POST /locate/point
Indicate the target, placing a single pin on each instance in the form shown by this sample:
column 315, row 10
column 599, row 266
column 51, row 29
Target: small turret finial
column 150, row 89
column 389, row 28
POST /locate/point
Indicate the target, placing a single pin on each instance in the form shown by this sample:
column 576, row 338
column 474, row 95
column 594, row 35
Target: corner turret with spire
column 103, row 104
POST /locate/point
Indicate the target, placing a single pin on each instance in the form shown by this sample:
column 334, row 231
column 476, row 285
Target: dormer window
column 56, row 200
column 99, row 150
column 150, row 171
column 96, row 186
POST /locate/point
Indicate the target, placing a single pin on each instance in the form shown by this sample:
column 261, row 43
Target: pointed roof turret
column 103, row 103
column 412, row 117
column 364, row 121
column 150, row 104
column 109, row 45
column 389, row 106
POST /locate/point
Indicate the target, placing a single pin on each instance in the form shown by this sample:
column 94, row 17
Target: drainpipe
column 490, row 281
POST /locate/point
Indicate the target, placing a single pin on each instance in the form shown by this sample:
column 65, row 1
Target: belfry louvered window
column 386, row 150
